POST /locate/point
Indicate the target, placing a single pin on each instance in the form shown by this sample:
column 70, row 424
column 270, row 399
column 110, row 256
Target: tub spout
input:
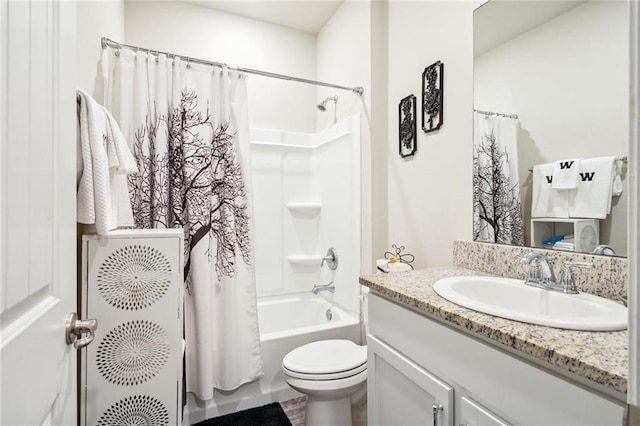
column 326, row 287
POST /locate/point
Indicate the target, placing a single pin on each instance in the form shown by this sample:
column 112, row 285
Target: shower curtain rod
column 514, row 116
column 107, row 42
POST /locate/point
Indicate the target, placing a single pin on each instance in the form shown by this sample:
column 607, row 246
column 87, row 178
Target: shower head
column 322, row 106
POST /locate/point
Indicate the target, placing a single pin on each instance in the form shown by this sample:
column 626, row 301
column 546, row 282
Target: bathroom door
column 37, row 212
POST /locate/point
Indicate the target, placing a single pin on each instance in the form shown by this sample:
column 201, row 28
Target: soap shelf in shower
column 304, row 260
column 305, row 209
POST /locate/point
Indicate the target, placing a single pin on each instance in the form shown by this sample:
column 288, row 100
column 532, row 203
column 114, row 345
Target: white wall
column 344, row 56
column 568, row 82
column 96, row 19
column 200, row 32
column 430, row 194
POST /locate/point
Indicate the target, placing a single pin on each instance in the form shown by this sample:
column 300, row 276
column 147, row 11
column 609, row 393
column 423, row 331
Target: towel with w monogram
column 576, row 188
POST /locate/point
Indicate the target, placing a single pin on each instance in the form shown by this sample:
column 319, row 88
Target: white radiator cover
column 132, row 283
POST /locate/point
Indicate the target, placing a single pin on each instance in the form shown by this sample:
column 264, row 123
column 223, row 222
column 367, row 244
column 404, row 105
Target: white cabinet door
column 37, row 214
column 400, row 392
column 474, row 414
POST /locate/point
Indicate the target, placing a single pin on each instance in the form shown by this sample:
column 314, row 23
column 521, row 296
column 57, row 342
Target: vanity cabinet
column 406, row 393
column 474, row 414
column 416, row 362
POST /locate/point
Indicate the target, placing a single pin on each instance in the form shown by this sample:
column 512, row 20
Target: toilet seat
column 326, row 376
column 326, row 360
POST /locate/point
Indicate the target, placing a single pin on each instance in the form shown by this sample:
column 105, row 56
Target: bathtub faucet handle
column 331, row 259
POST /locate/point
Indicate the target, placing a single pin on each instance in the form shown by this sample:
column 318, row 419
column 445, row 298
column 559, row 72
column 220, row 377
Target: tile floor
column 294, row 409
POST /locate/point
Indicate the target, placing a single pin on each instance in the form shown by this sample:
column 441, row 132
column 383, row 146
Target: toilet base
column 329, row 401
column 322, row 412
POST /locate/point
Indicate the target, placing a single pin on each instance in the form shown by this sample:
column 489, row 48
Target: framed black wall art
column 407, row 126
column 432, row 96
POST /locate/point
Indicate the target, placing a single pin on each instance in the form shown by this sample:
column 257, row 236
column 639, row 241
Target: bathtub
column 286, row 322
column 285, row 316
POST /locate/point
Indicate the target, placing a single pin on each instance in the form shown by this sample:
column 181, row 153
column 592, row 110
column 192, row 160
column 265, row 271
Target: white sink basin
column 512, row 299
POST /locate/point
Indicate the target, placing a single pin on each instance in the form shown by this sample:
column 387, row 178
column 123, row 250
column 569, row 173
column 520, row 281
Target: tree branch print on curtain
column 496, row 200
column 196, row 184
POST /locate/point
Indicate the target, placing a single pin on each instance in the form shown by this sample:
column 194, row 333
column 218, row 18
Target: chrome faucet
column 541, row 273
column 604, row 249
column 324, row 287
column 566, row 284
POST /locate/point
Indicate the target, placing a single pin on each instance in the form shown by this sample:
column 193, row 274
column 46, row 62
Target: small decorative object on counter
column 395, row 260
column 432, row 96
column 407, row 126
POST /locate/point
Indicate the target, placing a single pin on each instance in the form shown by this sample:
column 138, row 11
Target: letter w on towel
column 565, row 174
column 546, row 201
column 592, row 197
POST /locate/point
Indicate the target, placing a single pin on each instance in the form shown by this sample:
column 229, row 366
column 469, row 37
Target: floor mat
column 267, row 415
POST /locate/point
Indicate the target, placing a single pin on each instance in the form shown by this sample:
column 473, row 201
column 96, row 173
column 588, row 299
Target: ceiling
column 496, row 22
column 304, row 15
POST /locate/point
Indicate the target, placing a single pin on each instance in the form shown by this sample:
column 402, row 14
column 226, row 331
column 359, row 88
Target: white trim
column 633, row 393
column 4, row 36
column 333, row 138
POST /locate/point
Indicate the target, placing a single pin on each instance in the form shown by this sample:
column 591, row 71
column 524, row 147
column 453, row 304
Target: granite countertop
column 600, row 357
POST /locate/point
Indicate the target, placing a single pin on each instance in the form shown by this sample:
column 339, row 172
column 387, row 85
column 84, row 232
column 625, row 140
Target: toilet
column 329, row 373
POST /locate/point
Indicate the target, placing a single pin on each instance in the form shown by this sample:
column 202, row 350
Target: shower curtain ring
column 188, row 62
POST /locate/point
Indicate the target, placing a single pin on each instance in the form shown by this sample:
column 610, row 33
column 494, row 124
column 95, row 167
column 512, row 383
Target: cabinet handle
column 436, row 409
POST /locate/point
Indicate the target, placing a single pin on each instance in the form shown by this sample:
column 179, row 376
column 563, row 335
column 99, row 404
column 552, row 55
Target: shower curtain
column 187, row 127
column 497, row 209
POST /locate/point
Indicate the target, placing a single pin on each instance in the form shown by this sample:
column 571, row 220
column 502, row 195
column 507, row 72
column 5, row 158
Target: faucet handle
column 567, row 285
column 331, row 259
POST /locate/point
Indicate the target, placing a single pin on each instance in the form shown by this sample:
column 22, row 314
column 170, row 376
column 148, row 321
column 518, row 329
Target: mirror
column 561, row 67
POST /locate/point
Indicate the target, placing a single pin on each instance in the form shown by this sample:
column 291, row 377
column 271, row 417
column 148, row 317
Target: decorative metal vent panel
column 137, row 410
column 133, row 353
column 133, row 286
column 134, row 277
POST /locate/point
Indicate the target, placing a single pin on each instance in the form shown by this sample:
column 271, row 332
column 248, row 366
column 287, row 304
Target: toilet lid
column 326, row 357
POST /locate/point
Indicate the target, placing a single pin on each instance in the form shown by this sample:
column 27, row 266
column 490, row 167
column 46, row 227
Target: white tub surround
column 307, row 199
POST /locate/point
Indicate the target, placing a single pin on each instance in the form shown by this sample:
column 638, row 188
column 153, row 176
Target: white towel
column 565, row 246
column 546, row 201
column 592, row 198
column 102, row 191
column 616, row 189
column 565, row 174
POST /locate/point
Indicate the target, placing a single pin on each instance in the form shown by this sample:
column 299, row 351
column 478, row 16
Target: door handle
column 75, row 328
column 437, row 408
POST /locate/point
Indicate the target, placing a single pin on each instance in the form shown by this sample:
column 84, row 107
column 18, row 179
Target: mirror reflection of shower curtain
column 497, row 207
column 188, row 129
